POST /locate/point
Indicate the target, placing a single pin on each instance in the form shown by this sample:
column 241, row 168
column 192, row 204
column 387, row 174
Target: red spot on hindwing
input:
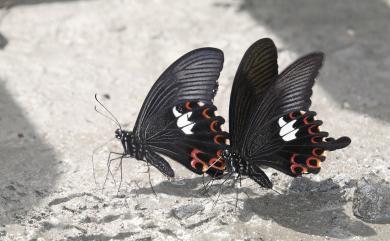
column 196, row 161
column 205, row 114
column 188, row 105
column 213, row 126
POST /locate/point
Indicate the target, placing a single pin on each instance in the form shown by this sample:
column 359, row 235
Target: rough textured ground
column 56, row 54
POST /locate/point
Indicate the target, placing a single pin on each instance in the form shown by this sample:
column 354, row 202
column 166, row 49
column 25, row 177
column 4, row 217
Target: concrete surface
column 57, row 54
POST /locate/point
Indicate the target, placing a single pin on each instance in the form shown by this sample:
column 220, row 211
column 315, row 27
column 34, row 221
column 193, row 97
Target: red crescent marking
column 294, row 167
column 318, row 162
column 212, row 126
column 187, row 105
column 314, row 151
column 291, row 115
column 305, row 120
column 196, row 160
column 292, row 159
column 221, row 168
column 204, row 113
column 309, row 130
column 216, row 141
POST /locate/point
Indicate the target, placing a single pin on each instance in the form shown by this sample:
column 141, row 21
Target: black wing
column 285, row 102
column 196, row 142
column 193, row 77
column 256, row 72
column 290, row 93
column 190, row 80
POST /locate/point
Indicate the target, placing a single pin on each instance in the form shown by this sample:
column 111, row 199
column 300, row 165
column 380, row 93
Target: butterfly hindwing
column 201, row 142
column 302, row 147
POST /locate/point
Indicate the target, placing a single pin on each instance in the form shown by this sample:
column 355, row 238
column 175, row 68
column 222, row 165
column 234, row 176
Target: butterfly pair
column 269, row 118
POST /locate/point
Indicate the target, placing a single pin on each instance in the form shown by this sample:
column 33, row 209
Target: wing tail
column 160, row 163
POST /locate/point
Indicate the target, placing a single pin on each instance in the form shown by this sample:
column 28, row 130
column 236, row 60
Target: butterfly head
column 118, row 133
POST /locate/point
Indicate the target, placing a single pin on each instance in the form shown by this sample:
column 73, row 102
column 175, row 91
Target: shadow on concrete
column 314, row 208
column 193, row 188
column 3, row 41
column 28, row 165
column 14, row 3
column 355, row 36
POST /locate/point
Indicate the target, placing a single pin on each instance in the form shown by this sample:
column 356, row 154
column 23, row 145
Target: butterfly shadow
column 315, row 208
column 354, row 34
column 28, row 164
column 192, row 188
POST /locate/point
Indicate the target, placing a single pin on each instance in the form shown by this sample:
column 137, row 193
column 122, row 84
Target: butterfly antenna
column 120, row 183
column 109, row 160
column 109, row 112
column 219, row 158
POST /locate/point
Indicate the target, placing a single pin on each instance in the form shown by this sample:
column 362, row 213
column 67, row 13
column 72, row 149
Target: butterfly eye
column 118, row 133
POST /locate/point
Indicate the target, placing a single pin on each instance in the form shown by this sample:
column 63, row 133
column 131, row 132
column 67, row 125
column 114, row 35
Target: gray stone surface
column 187, row 211
column 371, row 201
column 60, row 53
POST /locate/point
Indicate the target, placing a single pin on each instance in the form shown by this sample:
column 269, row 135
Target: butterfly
column 270, row 123
column 177, row 116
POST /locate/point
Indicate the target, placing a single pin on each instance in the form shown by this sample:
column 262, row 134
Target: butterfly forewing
column 169, row 113
column 192, row 77
column 290, row 92
column 256, row 72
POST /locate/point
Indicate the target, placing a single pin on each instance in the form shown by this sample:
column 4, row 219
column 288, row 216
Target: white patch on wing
column 188, row 129
column 287, row 131
column 281, row 122
column 290, row 136
column 184, row 124
column 175, row 112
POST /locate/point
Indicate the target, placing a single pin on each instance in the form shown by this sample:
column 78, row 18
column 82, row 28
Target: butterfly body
column 234, row 163
column 131, row 146
column 270, row 123
column 177, row 116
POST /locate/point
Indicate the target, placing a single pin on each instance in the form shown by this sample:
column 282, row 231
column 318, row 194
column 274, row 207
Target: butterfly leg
column 234, row 186
column 93, row 154
column 202, row 191
column 150, row 180
column 120, row 183
column 109, row 160
column 221, row 188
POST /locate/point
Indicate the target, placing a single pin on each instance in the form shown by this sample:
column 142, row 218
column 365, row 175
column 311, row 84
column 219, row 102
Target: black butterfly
column 269, row 119
column 177, row 116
